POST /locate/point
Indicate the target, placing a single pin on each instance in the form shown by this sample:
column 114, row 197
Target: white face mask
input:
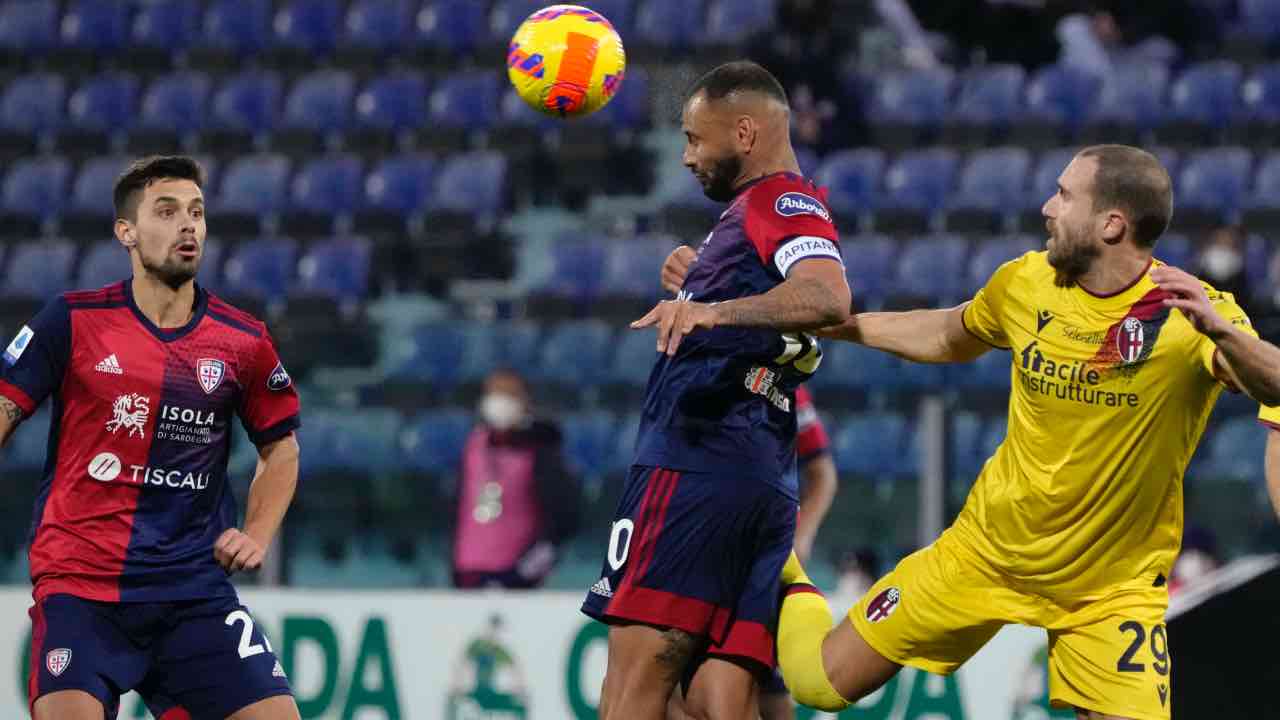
column 501, row 411
column 1220, row 262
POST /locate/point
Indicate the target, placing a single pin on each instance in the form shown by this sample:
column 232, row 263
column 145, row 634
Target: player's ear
column 1113, row 228
column 125, row 233
column 745, row 133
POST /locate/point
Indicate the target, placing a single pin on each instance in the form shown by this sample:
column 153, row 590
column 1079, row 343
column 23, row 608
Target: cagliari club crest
column 210, row 372
column 57, row 660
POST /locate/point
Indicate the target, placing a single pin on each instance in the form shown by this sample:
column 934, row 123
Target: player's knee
column 68, row 705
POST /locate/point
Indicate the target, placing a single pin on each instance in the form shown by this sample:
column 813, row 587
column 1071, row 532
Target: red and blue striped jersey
column 812, row 441
column 134, row 492
column 725, row 403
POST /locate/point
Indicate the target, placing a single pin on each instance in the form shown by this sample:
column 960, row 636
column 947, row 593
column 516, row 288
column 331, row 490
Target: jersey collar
column 1139, row 287
column 168, row 334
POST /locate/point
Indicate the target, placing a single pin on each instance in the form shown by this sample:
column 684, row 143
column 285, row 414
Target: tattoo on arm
column 793, row 305
column 678, row 652
column 11, row 410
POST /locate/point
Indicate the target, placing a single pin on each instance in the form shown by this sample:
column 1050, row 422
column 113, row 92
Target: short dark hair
column 739, row 76
column 144, row 171
column 1134, row 181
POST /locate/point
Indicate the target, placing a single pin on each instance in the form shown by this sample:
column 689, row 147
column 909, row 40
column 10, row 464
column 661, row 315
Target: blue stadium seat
column 248, row 102
column 466, row 100
column 1215, row 179
column 377, row 24
column 620, row 13
column 507, row 15
column 36, row 186
column 255, row 183
column 337, row 268
column 1266, row 182
column 994, row 179
column 990, row 95
column 167, row 24
column 1261, row 94
column 94, row 185
column 1044, row 180
column 589, row 442
column 39, row 270
column 98, row 25
column 321, row 100
column 578, row 268
column 242, row 25
column 989, row 372
column 633, row 359
column 103, row 263
column 430, row 354
column 176, row 103
column 918, row 98
column 852, row 178
column 629, row 108
column 966, row 434
column 1132, row 96
column 632, row 265
column 808, row 160
column 671, row 24
column 472, row 182
column 401, row 184
column 733, row 21
column 1236, row 449
column 509, row 344
column 872, row 445
column 393, row 102
column 107, row 102
column 920, row 179
column 1169, row 157
column 1207, row 93
column 576, row 354
column 33, row 103
column 927, row 268
column 434, row 441
column 453, row 25
column 261, row 268
column 307, row 25
column 1177, row 250
column 869, row 262
column 856, row 367
column 360, row 440
column 997, row 427
column 210, row 274
column 1260, row 18
column 28, row 25
column 329, row 184
column 1061, row 95
column 990, row 254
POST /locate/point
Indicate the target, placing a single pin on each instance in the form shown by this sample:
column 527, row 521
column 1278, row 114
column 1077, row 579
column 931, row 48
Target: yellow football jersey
column 1110, row 396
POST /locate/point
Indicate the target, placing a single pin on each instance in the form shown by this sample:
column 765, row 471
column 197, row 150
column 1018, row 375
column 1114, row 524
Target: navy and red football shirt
column 812, row 441
column 134, row 493
column 725, row 403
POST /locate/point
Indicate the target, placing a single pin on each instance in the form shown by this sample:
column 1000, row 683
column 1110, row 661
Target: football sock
column 803, row 624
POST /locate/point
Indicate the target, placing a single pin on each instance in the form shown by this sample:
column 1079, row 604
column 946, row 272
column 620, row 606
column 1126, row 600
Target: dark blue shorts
column 701, row 553
column 193, row 659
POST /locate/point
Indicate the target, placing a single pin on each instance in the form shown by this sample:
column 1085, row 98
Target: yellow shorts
column 940, row 605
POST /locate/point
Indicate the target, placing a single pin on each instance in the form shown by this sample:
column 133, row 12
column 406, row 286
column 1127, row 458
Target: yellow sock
column 803, row 624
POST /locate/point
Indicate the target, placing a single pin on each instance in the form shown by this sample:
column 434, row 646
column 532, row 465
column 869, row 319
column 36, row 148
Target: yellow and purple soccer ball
column 566, row 61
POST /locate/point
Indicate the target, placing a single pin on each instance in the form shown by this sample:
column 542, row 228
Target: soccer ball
column 566, row 61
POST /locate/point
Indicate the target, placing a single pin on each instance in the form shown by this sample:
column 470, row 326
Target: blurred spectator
column 856, row 572
column 517, row 502
column 1221, row 264
column 1198, row 558
column 804, row 53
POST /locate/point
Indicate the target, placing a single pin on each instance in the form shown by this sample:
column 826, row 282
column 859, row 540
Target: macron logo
column 110, row 365
column 794, row 203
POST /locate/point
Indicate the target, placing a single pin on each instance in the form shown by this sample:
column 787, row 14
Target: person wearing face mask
column 517, row 502
column 1221, row 263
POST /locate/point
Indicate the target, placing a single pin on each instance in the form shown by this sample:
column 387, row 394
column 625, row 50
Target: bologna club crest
column 1129, row 340
column 884, row 604
column 57, row 661
column 210, row 373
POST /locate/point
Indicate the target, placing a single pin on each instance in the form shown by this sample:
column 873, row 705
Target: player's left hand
column 1190, row 297
column 236, row 551
column 675, row 319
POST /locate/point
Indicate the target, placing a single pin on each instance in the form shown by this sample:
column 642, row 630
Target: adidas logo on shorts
column 278, row 670
column 602, row 587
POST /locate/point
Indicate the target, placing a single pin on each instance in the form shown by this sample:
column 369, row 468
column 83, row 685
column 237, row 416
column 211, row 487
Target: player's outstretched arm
column 926, row 336
column 272, row 490
column 10, row 416
column 1272, row 468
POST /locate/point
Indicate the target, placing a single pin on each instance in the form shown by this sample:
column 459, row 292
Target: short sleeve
column 1225, row 304
column 787, row 226
column 36, row 360
column 1269, row 416
column 811, row 436
column 269, row 407
column 984, row 317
